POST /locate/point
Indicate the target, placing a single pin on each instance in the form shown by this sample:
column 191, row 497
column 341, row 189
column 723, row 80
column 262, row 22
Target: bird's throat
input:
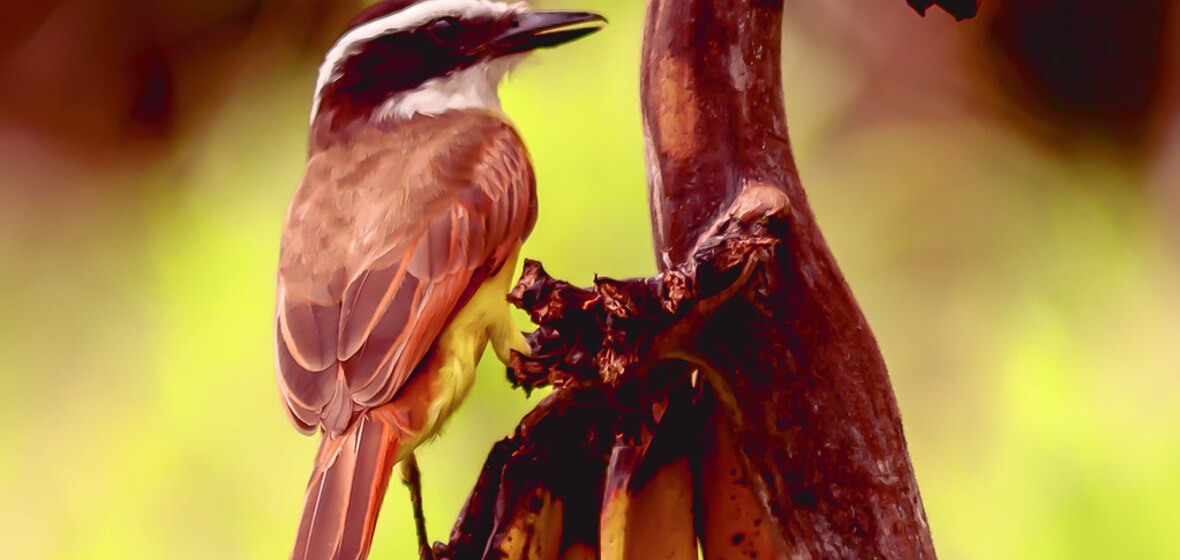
column 470, row 88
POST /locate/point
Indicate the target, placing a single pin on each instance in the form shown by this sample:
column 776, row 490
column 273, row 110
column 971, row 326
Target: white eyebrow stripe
column 401, row 20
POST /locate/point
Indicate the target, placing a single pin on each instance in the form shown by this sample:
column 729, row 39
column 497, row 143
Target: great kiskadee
column 400, row 243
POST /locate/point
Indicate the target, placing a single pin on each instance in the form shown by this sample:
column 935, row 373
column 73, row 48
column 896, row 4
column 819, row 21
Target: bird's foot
column 412, row 478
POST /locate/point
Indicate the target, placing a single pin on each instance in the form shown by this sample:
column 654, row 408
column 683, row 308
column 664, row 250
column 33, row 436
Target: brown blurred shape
column 1070, row 75
column 1085, row 65
column 109, row 80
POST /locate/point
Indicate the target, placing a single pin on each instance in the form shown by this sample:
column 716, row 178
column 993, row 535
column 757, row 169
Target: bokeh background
column 1002, row 195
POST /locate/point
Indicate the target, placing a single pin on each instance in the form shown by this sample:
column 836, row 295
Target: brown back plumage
column 392, row 227
column 382, row 238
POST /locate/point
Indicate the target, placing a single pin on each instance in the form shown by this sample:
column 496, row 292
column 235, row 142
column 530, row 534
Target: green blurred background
column 1001, row 194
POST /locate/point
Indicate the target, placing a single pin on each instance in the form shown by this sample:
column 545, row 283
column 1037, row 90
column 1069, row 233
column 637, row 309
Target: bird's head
column 399, row 58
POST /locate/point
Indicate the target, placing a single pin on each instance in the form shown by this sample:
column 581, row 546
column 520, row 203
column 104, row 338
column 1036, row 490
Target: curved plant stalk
column 803, row 454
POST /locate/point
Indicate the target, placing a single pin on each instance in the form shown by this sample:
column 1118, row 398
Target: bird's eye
column 443, row 30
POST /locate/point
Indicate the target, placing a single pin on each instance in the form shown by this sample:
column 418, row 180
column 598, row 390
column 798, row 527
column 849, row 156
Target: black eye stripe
column 404, row 59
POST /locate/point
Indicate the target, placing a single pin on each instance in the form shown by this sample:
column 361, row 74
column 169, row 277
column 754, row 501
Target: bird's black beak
column 538, row 30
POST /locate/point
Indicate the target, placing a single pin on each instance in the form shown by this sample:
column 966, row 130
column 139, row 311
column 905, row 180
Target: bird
column 400, row 243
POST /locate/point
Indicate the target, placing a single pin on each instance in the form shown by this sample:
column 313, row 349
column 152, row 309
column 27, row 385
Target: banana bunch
column 672, row 491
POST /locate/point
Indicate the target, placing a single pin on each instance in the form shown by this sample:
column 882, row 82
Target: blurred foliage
column 1024, row 297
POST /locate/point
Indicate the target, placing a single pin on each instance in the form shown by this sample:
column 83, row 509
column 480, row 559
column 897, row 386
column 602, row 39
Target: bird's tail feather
column 345, row 491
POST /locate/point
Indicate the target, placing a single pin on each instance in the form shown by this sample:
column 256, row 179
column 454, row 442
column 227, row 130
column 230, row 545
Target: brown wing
column 385, row 238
